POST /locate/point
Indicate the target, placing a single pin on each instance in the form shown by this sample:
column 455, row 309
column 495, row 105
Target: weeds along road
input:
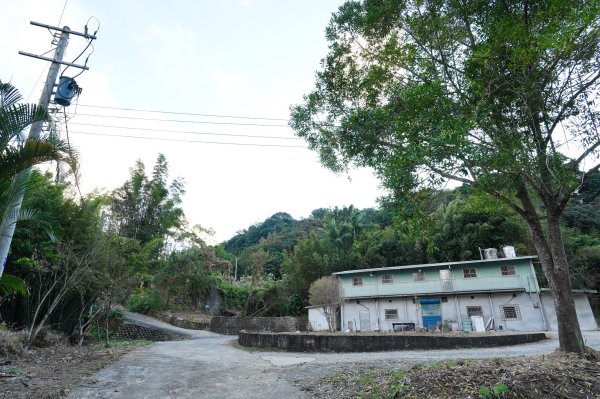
column 210, row 366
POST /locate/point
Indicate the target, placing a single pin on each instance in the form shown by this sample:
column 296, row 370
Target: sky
column 241, row 58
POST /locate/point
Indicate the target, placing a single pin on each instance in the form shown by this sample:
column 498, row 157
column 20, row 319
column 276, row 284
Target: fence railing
column 516, row 282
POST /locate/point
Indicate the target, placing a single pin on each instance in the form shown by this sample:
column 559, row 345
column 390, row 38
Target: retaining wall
column 183, row 323
column 131, row 331
column 300, row 342
column 232, row 325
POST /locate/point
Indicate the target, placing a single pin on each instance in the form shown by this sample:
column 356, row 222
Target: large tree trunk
column 559, row 279
column 552, row 255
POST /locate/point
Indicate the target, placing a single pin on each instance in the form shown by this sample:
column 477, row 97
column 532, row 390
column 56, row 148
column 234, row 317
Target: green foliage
column 463, row 226
column 147, row 209
column 145, row 301
column 497, row 391
column 10, row 285
column 234, row 296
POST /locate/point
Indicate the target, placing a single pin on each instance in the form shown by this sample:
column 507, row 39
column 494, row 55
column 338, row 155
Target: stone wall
column 182, row 323
column 131, row 331
column 294, row 342
column 232, row 325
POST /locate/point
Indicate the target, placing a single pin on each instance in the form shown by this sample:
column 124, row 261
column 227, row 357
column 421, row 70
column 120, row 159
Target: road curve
column 210, row 366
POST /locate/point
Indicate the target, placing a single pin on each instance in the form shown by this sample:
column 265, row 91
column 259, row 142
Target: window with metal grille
column 474, row 311
column 510, row 312
column 419, row 276
column 469, row 273
column 387, row 279
column 508, row 270
column 391, row 314
column 357, row 281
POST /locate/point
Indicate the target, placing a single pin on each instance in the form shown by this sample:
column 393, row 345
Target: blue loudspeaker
column 66, row 90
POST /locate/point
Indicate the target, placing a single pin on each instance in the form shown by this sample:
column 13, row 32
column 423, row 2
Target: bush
column 145, row 301
column 11, row 342
column 47, row 338
column 234, row 296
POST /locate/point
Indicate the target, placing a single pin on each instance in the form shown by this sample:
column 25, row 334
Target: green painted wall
column 489, row 277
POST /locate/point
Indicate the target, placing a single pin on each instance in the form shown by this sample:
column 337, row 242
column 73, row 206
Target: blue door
column 432, row 314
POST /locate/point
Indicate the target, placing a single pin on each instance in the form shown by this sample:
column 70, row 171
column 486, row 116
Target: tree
column 501, row 96
column 467, row 224
column 17, row 155
column 146, row 209
column 325, row 292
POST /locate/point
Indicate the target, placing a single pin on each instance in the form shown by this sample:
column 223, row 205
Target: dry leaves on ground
column 553, row 376
column 52, row 372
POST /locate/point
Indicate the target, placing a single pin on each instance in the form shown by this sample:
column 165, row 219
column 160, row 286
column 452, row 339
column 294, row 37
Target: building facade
column 501, row 294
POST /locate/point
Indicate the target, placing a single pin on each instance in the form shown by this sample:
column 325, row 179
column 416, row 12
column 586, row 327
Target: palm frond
column 10, row 284
column 9, row 95
column 18, row 158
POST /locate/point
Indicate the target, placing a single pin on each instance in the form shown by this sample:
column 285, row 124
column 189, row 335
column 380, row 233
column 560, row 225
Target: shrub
column 11, row 341
column 46, row 338
column 145, row 301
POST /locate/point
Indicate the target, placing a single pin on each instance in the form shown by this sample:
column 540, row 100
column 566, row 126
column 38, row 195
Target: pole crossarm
column 40, row 57
column 65, row 29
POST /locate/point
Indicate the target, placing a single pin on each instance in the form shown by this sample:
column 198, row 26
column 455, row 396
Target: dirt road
column 211, row 366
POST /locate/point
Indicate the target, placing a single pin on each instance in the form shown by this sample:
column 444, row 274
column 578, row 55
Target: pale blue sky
column 231, row 57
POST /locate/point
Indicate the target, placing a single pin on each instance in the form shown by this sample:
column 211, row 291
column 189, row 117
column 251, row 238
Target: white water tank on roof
column 509, row 252
column 490, row 253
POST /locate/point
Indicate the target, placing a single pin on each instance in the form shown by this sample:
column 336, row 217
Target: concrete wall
column 409, row 311
column 379, row 342
column 232, row 325
column 317, row 319
column 582, row 307
column 183, row 323
column 131, row 331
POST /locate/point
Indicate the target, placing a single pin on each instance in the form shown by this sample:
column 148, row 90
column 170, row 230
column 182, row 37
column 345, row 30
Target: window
column 357, row 281
column 510, row 312
column 391, row 314
column 508, row 270
column 387, row 279
column 419, row 276
column 474, row 311
column 469, row 273
column 444, row 299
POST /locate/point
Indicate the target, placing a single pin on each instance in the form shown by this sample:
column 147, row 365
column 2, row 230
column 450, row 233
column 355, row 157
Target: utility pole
column 36, row 128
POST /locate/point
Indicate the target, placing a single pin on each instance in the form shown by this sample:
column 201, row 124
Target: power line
column 188, row 132
column 62, row 13
column 189, row 141
column 184, row 121
column 185, row 113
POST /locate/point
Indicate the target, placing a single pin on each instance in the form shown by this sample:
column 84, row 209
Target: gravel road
column 210, row 365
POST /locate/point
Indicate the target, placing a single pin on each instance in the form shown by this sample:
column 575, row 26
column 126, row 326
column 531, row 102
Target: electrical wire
column 183, row 121
column 90, row 40
column 62, row 13
column 36, row 83
column 75, row 177
column 189, row 141
column 188, row 132
column 184, row 113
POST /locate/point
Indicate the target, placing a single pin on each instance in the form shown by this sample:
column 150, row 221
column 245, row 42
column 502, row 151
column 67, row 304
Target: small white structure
column 317, row 319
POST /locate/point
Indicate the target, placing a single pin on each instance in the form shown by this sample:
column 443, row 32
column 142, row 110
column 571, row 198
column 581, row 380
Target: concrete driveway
column 210, row 366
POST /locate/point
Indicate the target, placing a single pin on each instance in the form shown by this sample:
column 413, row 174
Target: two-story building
column 504, row 292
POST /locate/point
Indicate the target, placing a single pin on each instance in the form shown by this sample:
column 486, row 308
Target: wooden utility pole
column 36, row 128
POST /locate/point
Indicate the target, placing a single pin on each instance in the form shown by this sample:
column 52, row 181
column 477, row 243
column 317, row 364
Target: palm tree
column 18, row 154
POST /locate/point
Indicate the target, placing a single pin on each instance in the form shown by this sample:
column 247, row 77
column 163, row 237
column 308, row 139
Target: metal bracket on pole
column 65, row 29
column 39, row 57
